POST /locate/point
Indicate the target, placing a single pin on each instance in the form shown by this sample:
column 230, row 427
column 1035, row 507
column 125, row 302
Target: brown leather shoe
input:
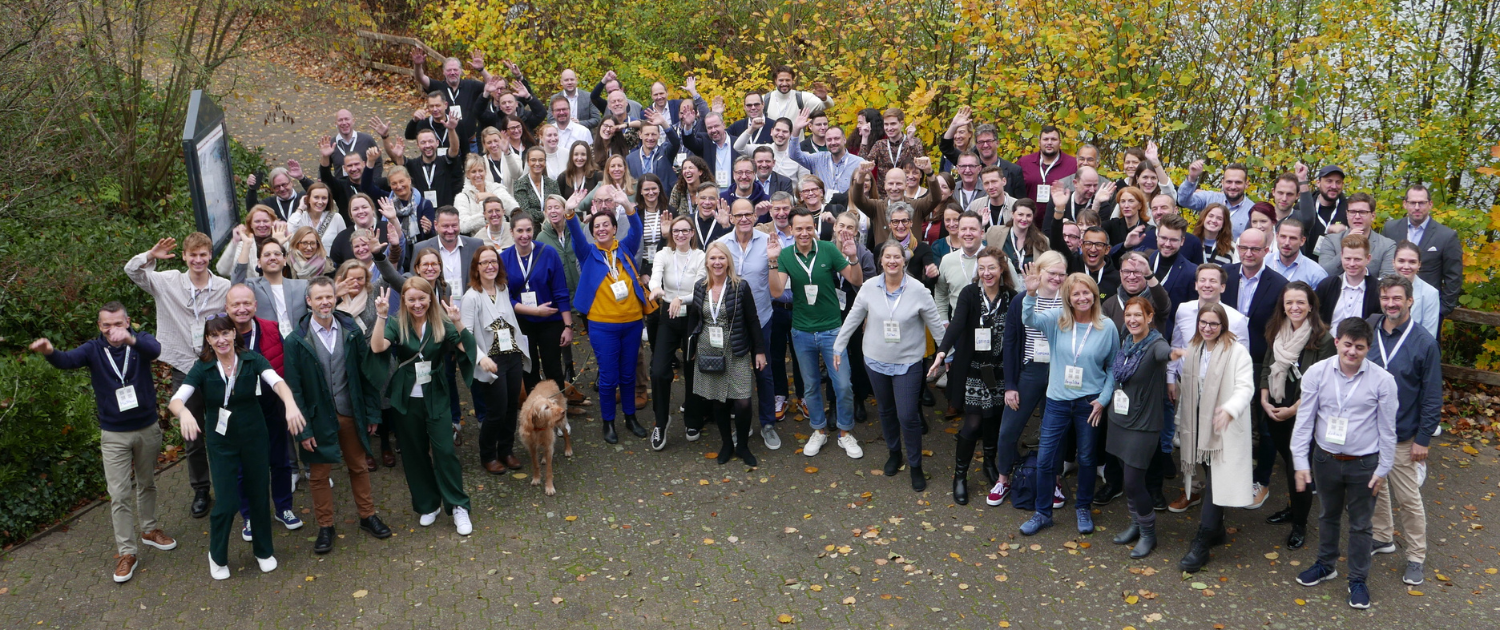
column 512, row 463
column 388, row 458
column 159, row 539
column 124, row 568
column 370, row 464
column 641, row 400
column 494, row 467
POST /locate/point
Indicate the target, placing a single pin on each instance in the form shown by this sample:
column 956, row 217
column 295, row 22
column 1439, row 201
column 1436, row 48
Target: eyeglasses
column 742, row 215
column 900, row 221
column 1360, row 212
column 216, row 316
column 1246, row 249
column 1128, row 273
column 682, row 231
column 1095, row 244
column 968, row 166
column 811, row 191
column 1209, row 325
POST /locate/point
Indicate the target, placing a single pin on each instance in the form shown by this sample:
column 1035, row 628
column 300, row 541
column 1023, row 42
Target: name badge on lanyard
column 892, row 331
column 223, row 425
column 503, row 338
column 1041, row 351
column 424, row 372
column 810, row 290
column 716, row 336
column 125, row 397
column 1336, row 429
column 715, row 333
column 1073, row 374
column 1122, row 402
column 1043, row 193
column 982, row 339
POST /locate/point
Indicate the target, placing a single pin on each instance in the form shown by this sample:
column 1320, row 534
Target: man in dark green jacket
column 325, row 366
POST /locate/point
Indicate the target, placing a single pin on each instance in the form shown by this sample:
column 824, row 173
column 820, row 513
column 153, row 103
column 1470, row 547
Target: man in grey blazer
column 1442, row 255
column 582, row 107
column 455, row 250
column 277, row 298
column 1360, row 210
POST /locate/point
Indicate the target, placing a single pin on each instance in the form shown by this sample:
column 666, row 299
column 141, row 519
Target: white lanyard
column 808, row 268
column 253, row 342
column 901, row 293
column 1078, row 347
column 702, row 237
column 1157, row 267
column 1044, row 170
column 453, row 94
column 1385, row 359
column 990, row 308
column 442, row 140
column 1099, row 279
column 613, row 262
column 496, row 169
column 900, row 146
column 1338, row 393
column 281, row 209
column 125, row 367
column 714, row 305
column 430, row 172
column 968, row 275
column 679, row 262
column 526, row 267
column 229, row 379
column 193, row 293
column 967, row 197
column 535, row 190
column 338, row 143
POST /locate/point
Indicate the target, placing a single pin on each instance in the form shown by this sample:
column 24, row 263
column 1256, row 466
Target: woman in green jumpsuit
column 420, row 401
column 231, row 380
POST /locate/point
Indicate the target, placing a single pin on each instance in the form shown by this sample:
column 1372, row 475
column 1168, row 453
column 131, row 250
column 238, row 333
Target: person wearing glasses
column 1255, row 291
column 1361, row 212
column 1438, row 246
column 1088, row 255
column 1214, row 426
column 968, row 189
column 750, row 249
column 677, row 269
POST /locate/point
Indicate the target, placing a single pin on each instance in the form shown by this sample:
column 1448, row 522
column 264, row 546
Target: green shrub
column 49, row 445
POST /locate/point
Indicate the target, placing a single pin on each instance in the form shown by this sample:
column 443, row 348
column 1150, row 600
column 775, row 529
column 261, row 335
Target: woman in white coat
column 1214, row 426
column 503, row 353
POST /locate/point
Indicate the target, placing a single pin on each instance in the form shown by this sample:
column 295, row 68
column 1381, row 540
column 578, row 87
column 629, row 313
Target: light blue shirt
column 1082, row 346
column 1302, row 268
column 1247, row 289
column 1425, row 305
column 1414, row 232
column 787, row 240
column 751, row 265
column 835, row 174
column 1189, row 196
column 723, row 164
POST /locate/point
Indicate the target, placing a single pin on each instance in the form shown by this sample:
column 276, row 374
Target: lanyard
column 613, row 262
column 713, row 305
column 453, row 94
column 1044, row 170
column 679, row 262
column 1385, row 359
column 1338, row 393
column 900, row 293
column 338, row 143
column 968, row 275
column 838, row 171
column 229, row 379
column 125, row 365
column 812, row 260
column 1157, row 267
column 1099, row 279
column 895, row 159
column 698, row 227
column 967, row 197
column 193, row 293
column 990, row 308
column 253, row 342
column 1078, row 347
column 536, row 191
column 496, row 169
column 429, row 173
column 526, row 267
column 281, row 209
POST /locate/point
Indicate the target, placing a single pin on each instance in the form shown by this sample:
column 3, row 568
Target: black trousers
column 1281, row 436
column 671, row 336
column 546, row 353
column 502, row 403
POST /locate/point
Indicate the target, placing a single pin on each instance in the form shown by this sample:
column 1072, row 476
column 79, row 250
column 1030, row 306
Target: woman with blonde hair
column 306, row 257
column 424, row 333
column 726, row 335
column 1214, row 426
column 1083, row 343
column 476, row 193
column 1027, row 361
column 317, row 210
column 262, row 225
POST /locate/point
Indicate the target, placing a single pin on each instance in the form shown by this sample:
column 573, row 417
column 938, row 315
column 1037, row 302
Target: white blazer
column 478, row 312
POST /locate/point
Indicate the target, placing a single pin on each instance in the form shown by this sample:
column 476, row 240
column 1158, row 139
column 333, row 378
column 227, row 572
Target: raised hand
column 420, row 114
column 387, row 209
column 1152, row 153
column 1302, row 171
column 923, row 163
column 802, row 119
column 372, row 156
column 718, row 105
column 380, row 126
column 397, row 149
column 476, row 60
column 383, row 303
column 451, row 122
column 294, row 169
column 1033, row 278
column 515, row 71
column 418, row 56
column 1134, row 237
column 849, row 249
column 911, row 130
column 251, row 181
column 453, row 313
column 44, row 346
column 1059, row 193
column 692, row 85
column 773, row 250
column 240, row 233
column 757, row 123
column 519, row 89
column 961, row 118
column 325, row 147
column 1195, row 170
column 1106, row 192
column 931, row 270
column 279, row 231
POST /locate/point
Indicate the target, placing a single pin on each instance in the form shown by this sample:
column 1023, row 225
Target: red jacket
column 267, row 341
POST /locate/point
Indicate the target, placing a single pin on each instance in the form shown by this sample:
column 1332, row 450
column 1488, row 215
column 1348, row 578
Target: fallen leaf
column 309, row 579
column 1300, row 602
column 848, row 601
column 1001, row 578
column 518, row 475
column 955, row 556
column 734, row 539
column 816, row 588
column 708, row 541
column 1415, row 593
column 557, row 600
column 790, row 530
column 1084, row 545
column 866, row 495
column 1070, row 545
column 570, row 518
column 810, row 469
column 1132, row 600
column 1491, row 571
column 1471, row 450
column 702, row 482
column 1442, row 577
column 1036, row 547
column 710, row 456
column 360, row 593
column 1198, row 585
column 1272, row 556
column 1005, row 624
column 963, row 587
column 885, row 596
column 845, row 549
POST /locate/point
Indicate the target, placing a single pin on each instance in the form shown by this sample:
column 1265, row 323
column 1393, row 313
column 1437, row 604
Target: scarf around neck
column 1129, row 356
column 1285, row 349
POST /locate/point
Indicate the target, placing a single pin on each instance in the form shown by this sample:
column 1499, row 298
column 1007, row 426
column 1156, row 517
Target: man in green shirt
column 809, row 266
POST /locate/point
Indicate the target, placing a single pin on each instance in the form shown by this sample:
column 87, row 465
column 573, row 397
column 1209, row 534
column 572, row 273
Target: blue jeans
column 781, row 332
column 617, row 347
column 1060, row 417
column 1033, row 387
column 765, row 392
column 809, row 347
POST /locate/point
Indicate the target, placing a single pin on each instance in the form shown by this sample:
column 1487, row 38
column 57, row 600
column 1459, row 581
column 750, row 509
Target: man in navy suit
column 1442, row 256
column 715, row 147
column 1255, row 291
column 1170, row 264
column 767, row 180
column 672, row 108
column 657, row 153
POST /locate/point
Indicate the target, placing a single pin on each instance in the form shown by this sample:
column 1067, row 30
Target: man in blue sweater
column 119, row 363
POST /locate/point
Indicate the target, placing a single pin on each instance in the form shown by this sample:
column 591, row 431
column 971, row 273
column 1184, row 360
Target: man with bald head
column 580, row 106
column 463, row 96
column 347, row 141
column 604, row 90
column 1254, row 290
column 1070, row 205
column 671, row 108
column 263, row 336
column 714, row 145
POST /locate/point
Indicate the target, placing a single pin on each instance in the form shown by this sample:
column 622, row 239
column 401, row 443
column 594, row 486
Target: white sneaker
column 461, row 521
column 815, row 443
column 851, row 446
column 428, row 519
column 215, row 571
column 267, row 565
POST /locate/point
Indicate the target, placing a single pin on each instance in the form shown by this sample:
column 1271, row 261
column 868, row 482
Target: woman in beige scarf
column 1213, row 425
column 1299, row 338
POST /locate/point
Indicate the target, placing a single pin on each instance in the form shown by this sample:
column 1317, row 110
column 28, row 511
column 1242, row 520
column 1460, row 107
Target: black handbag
column 716, row 364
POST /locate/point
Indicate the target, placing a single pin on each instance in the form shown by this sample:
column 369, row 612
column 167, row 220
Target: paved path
column 637, row 538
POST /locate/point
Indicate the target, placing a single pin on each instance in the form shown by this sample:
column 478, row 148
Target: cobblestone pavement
column 636, row 538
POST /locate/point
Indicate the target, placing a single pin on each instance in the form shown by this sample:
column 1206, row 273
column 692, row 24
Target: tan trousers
column 129, row 473
column 359, row 476
column 1402, row 481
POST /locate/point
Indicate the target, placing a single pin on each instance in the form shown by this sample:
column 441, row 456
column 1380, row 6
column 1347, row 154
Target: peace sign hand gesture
column 453, row 314
column 383, row 303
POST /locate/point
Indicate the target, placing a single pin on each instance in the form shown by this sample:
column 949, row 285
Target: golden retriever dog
column 544, row 416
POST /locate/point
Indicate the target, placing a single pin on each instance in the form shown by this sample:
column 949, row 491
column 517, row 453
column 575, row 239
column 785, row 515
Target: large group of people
column 685, row 245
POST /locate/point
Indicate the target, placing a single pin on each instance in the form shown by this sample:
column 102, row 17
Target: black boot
column 927, row 399
column 634, row 427
column 1146, row 543
column 609, row 433
column 1197, row 554
column 742, row 439
column 376, row 528
column 991, row 464
column 963, row 456
column 1281, row 516
column 859, row 411
column 1297, row 538
column 1130, row 535
column 893, row 464
column 324, row 543
column 918, row 479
